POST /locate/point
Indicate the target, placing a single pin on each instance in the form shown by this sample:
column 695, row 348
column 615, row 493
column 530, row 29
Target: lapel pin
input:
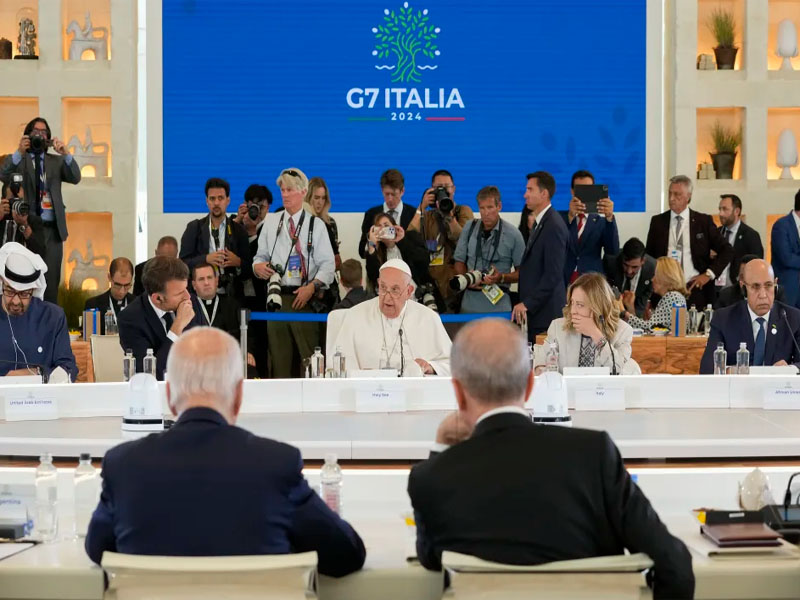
column 774, row 329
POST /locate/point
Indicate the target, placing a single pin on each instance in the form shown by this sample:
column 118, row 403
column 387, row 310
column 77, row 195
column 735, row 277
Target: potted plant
column 723, row 26
column 73, row 302
column 726, row 140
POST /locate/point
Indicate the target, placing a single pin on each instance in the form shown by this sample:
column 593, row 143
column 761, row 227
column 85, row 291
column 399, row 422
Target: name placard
column 380, row 399
column 30, row 406
column 785, row 397
column 600, row 398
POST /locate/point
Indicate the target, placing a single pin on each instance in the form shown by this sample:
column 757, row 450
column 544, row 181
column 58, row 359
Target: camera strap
column 479, row 244
column 293, row 242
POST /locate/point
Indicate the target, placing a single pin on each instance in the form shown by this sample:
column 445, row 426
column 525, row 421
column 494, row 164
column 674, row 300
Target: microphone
column 787, row 497
column 610, row 348
column 791, row 333
column 402, row 356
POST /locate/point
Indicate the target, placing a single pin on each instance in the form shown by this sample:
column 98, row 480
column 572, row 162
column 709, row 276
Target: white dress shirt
column 212, row 247
column 754, row 324
column 538, row 218
column 160, row 313
column 724, row 278
column 686, row 259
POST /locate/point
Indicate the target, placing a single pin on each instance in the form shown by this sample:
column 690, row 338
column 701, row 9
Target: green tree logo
column 405, row 35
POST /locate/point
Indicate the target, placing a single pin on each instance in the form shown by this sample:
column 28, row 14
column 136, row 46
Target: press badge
column 493, row 293
column 437, row 258
column 676, row 255
column 47, row 203
column 294, row 268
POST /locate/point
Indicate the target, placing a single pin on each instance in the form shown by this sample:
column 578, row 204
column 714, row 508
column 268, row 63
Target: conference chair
column 107, row 357
column 268, row 577
column 333, row 325
column 600, row 578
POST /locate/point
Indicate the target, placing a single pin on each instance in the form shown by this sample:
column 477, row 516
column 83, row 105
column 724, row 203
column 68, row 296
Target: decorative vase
column 786, row 156
column 726, row 57
column 786, row 43
column 723, row 164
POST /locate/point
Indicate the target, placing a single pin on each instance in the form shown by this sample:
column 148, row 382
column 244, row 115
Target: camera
column 39, row 141
column 274, row 300
column 425, row 295
column 442, row 200
column 253, row 211
column 461, row 282
column 387, row 233
column 18, row 205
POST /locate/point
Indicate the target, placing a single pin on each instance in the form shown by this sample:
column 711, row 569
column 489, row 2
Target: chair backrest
column 271, row 577
column 334, row 324
column 107, row 357
column 599, row 578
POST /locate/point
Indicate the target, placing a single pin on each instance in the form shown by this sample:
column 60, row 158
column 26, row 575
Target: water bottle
column 693, row 324
column 531, row 353
column 707, row 314
column 317, row 363
column 149, row 363
column 128, row 365
column 86, row 489
column 111, row 324
column 720, row 359
column 46, row 521
column 743, row 359
column 339, row 366
column 331, row 483
column 552, row 357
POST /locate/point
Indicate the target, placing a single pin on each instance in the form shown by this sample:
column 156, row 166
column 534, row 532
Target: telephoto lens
column 444, row 203
column 253, row 211
column 426, row 296
column 461, row 282
column 274, row 300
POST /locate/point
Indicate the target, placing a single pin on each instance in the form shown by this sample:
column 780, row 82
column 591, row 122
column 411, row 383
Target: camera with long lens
column 442, row 200
column 39, row 141
column 461, row 282
column 18, row 205
column 274, row 300
column 253, row 211
column 425, row 294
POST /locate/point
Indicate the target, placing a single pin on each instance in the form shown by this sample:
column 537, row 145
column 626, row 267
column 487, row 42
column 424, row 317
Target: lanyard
column 213, row 312
column 216, row 245
column 479, row 249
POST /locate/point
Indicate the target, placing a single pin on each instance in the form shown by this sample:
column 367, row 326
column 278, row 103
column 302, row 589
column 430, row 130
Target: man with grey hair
column 209, row 488
column 518, row 493
column 692, row 239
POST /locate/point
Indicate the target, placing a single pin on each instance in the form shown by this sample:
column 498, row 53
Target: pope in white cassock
column 394, row 332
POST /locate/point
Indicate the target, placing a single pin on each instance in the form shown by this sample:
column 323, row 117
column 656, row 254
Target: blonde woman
column 318, row 203
column 590, row 334
column 668, row 282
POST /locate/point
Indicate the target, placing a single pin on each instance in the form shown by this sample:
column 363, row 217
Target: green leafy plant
column 722, row 25
column 726, row 139
column 72, row 301
column 406, row 34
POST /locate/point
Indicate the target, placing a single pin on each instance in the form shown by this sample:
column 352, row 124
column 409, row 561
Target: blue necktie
column 761, row 343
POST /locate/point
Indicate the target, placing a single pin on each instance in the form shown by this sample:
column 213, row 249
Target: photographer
column 440, row 221
column 42, row 176
column 491, row 246
column 16, row 222
column 387, row 240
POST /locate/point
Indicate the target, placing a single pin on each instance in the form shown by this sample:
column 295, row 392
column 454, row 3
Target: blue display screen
column 344, row 90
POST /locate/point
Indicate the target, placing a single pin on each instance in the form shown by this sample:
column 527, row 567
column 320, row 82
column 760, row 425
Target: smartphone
column 590, row 195
column 388, row 233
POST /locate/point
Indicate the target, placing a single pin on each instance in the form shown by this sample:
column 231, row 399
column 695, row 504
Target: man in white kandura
column 393, row 332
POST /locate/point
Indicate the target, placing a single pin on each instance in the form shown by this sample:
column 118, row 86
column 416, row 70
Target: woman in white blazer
column 590, row 334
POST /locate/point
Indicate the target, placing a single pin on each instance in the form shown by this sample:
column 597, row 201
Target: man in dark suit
column 217, row 240
column 167, row 246
column 576, row 500
column 159, row 316
column 769, row 328
column 631, row 272
column 744, row 239
column 351, row 276
column 393, row 187
column 786, row 253
column 589, row 235
column 542, row 291
column 43, row 174
column 208, row 488
column 689, row 237
column 117, row 297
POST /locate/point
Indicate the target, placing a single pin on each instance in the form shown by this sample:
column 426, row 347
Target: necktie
column 393, row 214
column 297, row 247
column 38, row 159
column 581, row 219
column 168, row 319
column 761, row 343
column 627, row 285
column 679, row 234
column 586, row 356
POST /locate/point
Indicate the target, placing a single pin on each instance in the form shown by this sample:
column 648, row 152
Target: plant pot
column 723, row 164
column 726, row 57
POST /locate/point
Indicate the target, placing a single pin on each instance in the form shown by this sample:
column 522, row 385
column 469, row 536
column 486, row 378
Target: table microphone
column 791, row 333
column 402, row 356
column 610, row 348
column 24, row 365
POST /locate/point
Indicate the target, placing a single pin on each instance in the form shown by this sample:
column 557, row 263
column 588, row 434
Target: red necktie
column 581, row 219
column 298, row 247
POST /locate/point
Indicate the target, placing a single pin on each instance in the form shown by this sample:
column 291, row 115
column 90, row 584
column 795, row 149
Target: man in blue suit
column 589, row 235
column 770, row 329
column 786, row 253
column 541, row 274
column 209, row 488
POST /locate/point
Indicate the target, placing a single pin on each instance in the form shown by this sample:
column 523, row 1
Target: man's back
column 205, row 488
column 569, row 497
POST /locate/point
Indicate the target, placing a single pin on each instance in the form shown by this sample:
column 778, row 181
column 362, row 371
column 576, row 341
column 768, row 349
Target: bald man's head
column 758, row 279
column 205, row 369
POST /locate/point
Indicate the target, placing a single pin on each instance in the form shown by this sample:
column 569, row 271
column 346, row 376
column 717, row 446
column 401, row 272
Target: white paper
column 380, row 399
column 786, row 397
column 30, row 406
column 600, row 398
column 12, row 548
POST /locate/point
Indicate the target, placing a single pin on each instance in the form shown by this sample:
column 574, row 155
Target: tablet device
column 590, row 195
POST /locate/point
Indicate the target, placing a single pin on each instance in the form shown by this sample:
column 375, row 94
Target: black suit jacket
column 353, row 297
column 102, row 303
column 195, row 243
column 747, row 242
column 704, row 237
column 541, row 275
column 580, row 502
column 162, row 495
column 227, row 316
column 138, row 285
column 140, row 329
column 612, row 265
column 732, row 325
column 369, row 220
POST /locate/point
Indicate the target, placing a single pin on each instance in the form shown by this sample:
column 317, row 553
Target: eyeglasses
column 10, row 293
column 768, row 287
column 394, row 292
column 121, row 286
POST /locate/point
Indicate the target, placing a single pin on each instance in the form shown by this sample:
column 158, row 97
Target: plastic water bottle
column 149, row 363
column 128, row 365
column 743, row 359
column 707, row 314
column 693, row 325
column 46, row 521
column 720, row 359
column 317, row 363
column 86, row 489
column 111, row 324
column 339, row 366
column 531, row 353
column 552, row 357
column 331, row 483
